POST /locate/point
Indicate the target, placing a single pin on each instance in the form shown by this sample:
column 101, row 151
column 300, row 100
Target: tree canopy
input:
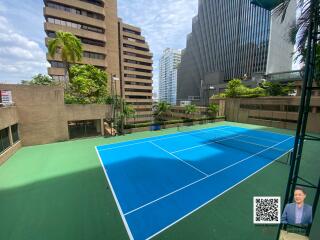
column 87, row 85
column 68, row 46
column 235, row 89
column 40, row 79
column 161, row 109
column 190, row 109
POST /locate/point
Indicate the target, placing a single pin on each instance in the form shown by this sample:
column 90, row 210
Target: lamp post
column 114, row 100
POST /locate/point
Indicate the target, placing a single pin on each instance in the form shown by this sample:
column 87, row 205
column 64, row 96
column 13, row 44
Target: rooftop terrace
column 59, row 191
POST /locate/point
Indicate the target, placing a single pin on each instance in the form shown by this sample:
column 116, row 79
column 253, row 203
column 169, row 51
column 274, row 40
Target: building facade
column 136, row 71
column 106, row 40
column 168, row 65
column 232, row 39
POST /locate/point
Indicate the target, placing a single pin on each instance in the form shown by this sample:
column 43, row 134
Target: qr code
column 266, row 210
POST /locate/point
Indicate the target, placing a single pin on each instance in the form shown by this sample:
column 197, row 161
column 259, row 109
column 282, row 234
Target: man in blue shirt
column 298, row 212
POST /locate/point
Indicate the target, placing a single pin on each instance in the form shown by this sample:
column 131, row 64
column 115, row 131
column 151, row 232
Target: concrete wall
column 178, row 112
column 262, row 112
column 87, row 112
column 8, row 116
column 42, row 115
column 280, row 49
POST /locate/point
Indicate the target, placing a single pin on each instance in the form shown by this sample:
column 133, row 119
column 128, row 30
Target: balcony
column 78, row 32
column 132, row 50
column 73, row 17
column 82, row 5
column 87, row 47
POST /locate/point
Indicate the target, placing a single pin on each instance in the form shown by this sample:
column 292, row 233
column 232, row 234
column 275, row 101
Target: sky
column 165, row 24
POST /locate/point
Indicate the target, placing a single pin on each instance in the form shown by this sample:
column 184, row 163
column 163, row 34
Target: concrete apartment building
column 106, row 40
column 136, row 71
column 168, row 70
column 233, row 39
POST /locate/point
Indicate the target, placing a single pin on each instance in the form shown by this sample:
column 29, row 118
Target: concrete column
column 10, row 136
column 102, row 127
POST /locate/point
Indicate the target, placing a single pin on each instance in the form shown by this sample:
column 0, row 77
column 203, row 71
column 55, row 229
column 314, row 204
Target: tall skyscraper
column 108, row 43
column 169, row 62
column 232, row 39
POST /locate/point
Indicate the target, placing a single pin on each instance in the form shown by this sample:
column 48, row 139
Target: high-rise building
column 136, row 71
column 169, row 62
column 108, row 44
column 232, row 39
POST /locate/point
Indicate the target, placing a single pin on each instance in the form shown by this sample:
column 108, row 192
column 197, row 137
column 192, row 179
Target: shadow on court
column 74, row 206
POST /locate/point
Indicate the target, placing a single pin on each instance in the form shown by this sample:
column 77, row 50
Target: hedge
column 176, row 121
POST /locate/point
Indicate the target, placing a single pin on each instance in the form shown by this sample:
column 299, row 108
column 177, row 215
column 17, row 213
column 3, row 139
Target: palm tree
column 127, row 112
column 213, row 109
column 190, row 109
column 161, row 109
column 69, row 46
column 298, row 33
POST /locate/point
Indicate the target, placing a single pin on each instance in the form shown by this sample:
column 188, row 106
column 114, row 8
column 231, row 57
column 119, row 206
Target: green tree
column 126, row 112
column 277, row 89
column 40, row 80
column 299, row 30
column 87, row 85
column 235, row 88
column 68, row 46
column 161, row 109
column 190, row 110
column 213, row 109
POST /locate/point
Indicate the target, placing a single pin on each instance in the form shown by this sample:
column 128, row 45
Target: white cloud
column 22, row 52
column 164, row 23
column 20, row 57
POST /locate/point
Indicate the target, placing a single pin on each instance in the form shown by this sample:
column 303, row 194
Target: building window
column 131, row 31
column 93, row 55
column 92, row 42
column 15, row 133
column 75, row 10
column 4, row 139
column 135, row 47
column 56, row 64
column 94, row 2
column 75, row 25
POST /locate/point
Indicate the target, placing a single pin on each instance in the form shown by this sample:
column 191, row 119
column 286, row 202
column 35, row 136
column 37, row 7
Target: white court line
column 190, row 165
column 222, row 140
column 177, row 190
column 205, row 144
column 244, row 135
column 115, row 198
column 196, row 209
column 260, row 145
column 158, row 139
column 260, row 131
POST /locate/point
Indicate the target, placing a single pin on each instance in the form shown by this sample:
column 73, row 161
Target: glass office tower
column 232, row 39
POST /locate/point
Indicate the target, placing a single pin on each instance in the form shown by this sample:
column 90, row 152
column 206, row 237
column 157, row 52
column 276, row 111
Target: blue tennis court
column 160, row 180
